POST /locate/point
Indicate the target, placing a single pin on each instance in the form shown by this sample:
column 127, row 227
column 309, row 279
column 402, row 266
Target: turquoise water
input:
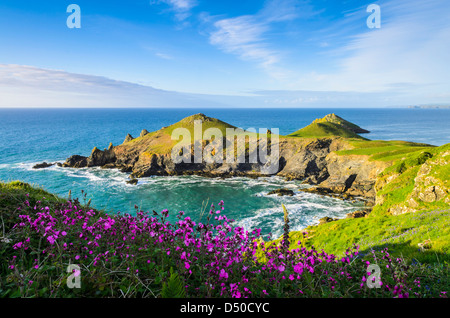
column 31, row 136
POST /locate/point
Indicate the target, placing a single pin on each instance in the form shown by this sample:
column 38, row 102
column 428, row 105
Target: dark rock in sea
column 315, row 160
column 109, row 166
column 318, row 190
column 126, row 168
column 133, row 181
column 282, row 192
column 43, row 165
column 76, row 161
column 100, row 158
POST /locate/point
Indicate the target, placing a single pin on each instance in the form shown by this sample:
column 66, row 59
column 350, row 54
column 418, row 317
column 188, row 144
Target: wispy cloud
column 409, row 54
column 244, row 36
column 164, row 56
column 28, row 86
column 182, row 8
column 247, row 36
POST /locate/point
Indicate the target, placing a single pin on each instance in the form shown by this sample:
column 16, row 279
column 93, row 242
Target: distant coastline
column 429, row 107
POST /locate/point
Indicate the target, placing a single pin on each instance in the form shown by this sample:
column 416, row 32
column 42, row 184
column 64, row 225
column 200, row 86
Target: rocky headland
column 329, row 154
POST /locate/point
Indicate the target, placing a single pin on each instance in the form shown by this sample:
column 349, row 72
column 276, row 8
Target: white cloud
column 246, row 35
column 164, row 56
column 181, row 8
column 409, row 54
column 27, row 86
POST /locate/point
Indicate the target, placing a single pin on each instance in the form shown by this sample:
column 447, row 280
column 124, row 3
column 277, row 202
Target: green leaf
column 174, row 288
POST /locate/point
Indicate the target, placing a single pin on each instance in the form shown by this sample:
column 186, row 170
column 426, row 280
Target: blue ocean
column 30, row 136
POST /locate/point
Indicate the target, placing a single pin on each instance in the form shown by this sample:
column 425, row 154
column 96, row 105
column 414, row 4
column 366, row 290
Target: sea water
column 30, row 136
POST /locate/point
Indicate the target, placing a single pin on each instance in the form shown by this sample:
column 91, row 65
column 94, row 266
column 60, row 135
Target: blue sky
column 210, row 53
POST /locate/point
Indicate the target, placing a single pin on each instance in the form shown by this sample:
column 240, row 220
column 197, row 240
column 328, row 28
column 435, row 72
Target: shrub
column 146, row 256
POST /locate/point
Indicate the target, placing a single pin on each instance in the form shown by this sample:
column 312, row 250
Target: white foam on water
column 6, row 166
column 304, row 208
column 302, row 213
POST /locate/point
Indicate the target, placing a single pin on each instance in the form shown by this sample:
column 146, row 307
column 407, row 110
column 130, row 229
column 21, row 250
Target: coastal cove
column 77, row 131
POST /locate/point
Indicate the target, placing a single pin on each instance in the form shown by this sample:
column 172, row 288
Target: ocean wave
column 302, row 214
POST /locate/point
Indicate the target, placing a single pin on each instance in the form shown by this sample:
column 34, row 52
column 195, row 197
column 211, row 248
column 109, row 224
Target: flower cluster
column 126, row 255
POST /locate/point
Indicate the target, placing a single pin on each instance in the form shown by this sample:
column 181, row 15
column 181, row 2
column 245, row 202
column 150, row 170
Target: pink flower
column 223, row 274
column 51, row 239
column 187, row 265
column 298, row 268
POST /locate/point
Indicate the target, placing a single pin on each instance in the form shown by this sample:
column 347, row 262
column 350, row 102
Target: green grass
column 384, row 150
column 401, row 234
column 325, row 129
column 333, row 118
column 13, row 194
column 161, row 143
column 398, row 181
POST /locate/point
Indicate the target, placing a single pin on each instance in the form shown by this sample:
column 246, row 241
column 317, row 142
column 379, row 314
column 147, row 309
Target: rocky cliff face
column 428, row 187
column 354, row 175
column 311, row 159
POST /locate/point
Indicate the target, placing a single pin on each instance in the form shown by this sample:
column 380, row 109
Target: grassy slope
column 13, row 194
column 162, row 142
column 399, row 180
column 325, row 129
column 333, row 118
column 401, row 233
column 384, row 150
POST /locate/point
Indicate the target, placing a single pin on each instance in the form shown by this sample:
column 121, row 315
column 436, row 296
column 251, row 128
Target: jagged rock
column 76, row 161
column 413, row 203
column 133, row 181
column 282, row 192
column 109, row 166
column 144, row 133
column 327, row 219
column 311, row 159
column 359, row 214
column 43, row 165
column 401, row 209
column 128, row 138
column 99, row 158
column 432, row 194
column 317, row 190
column 333, row 118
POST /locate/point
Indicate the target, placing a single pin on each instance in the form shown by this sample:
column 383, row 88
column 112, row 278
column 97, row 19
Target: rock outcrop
column 431, row 186
column 333, row 118
column 144, row 133
column 282, row 192
column 43, row 165
column 311, row 159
